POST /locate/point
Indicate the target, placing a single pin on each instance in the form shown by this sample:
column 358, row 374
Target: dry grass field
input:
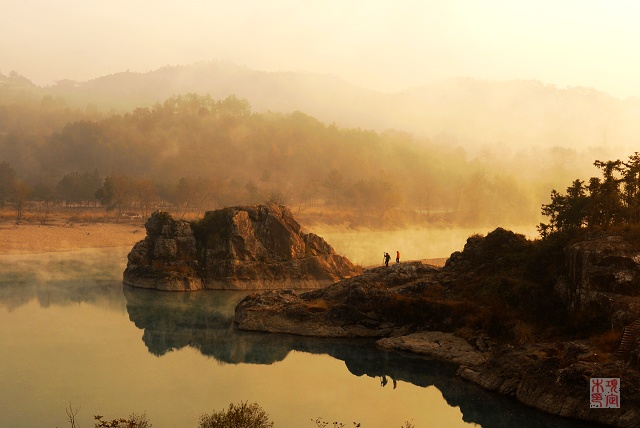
column 66, row 230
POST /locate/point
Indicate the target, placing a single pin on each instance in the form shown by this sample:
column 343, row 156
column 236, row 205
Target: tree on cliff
column 567, row 211
column 631, row 183
column 613, row 199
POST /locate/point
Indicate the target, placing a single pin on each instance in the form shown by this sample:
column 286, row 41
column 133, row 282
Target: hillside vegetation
column 481, row 153
column 473, row 113
column 198, row 153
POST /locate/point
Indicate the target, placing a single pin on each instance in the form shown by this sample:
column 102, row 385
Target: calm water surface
column 366, row 248
column 71, row 334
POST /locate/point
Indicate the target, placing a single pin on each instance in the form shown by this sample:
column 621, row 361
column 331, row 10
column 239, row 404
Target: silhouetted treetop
column 612, row 199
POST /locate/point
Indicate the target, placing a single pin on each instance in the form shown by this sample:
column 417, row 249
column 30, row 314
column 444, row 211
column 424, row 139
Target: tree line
column 610, row 200
column 196, row 153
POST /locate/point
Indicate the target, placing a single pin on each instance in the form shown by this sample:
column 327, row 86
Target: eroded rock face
column 265, row 245
column 254, row 247
column 166, row 259
column 553, row 378
column 609, row 264
column 352, row 307
column 603, row 275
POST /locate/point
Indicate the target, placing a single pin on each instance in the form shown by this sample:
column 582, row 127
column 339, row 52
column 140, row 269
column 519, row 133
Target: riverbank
column 501, row 310
column 57, row 236
column 32, row 238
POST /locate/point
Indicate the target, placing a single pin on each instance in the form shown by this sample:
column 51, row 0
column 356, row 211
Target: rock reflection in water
column 201, row 320
column 204, row 320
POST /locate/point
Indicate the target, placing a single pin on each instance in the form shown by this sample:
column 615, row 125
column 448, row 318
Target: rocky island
column 534, row 320
column 244, row 247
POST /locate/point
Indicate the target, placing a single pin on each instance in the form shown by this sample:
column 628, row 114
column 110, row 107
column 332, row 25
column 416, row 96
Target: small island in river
column 245, row 247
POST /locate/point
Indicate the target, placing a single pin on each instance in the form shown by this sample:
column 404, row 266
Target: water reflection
column 203, row 320
column 79, row 352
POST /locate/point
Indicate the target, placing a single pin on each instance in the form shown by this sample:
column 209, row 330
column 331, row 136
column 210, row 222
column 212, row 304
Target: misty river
column 367, row 247
column 72, row 335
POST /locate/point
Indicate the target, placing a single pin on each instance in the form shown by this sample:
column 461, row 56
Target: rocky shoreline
column 413, row 307
column 537, row 375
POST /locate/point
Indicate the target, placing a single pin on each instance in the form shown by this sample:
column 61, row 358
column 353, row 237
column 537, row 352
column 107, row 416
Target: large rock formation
column 608, row 263
column 253, row 247
column 603, row 276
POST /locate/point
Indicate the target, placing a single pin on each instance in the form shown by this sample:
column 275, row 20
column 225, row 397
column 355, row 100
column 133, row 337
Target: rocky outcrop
column 603, row 276
column 352, row 307
column 254, row 247
column 554, row 378
column 414, row 307
column 167, row 259
column 487, row 253
column 436, row 345
column 384, row 300
column 606, row 264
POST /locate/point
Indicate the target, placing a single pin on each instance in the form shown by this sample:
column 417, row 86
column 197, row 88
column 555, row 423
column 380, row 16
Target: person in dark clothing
column 387, row 257
column 397, row 256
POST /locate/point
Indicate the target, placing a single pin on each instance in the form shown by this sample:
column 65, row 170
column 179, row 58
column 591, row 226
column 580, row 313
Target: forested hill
column 201, row 152
column 469, row 112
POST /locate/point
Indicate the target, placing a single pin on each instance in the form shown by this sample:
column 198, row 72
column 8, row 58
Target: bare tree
column 71, row 414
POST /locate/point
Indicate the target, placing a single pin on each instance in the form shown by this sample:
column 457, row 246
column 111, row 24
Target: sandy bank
column 35, row 238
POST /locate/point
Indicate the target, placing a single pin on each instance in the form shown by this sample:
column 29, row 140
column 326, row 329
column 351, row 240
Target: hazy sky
column 380, row 44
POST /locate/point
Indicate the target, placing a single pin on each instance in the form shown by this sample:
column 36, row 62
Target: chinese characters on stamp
column 604, row 392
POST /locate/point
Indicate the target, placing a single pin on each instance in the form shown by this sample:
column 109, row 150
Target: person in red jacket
column 397, row 256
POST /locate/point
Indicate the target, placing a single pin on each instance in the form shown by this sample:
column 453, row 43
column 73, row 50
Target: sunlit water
column 366, row 248
column 70, row 334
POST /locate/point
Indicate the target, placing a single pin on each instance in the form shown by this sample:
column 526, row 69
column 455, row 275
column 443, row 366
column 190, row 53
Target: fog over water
column 70, row 333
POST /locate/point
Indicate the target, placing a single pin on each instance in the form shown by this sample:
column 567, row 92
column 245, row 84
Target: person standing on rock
column 387, row 257
column 397, row 256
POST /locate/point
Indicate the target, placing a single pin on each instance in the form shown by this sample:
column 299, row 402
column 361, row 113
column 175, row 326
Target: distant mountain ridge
column 464, row 111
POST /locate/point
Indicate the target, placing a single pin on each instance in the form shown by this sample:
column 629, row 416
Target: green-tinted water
column 70, row 334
